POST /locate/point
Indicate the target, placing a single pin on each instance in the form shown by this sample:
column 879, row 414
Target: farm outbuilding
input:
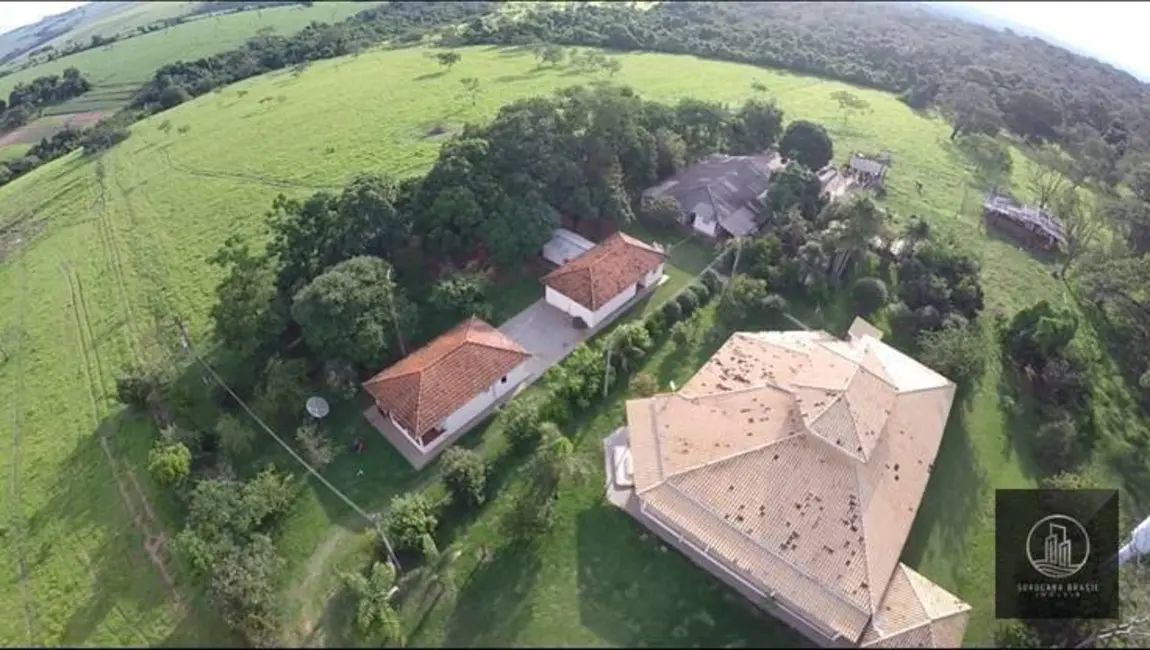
column 1033, row 226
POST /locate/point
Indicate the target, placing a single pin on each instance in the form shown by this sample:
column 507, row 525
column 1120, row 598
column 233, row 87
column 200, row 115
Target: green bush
column 465, row 476
column 958, row 353
column 685, row 333
column 531, row 515
column 868, row 295
column 702, row 293
column 672, row 312
column 711, row 279
column 137, row 385
column 688, row 302
column 410, row 517
column 1070, row 481
column 656, row 324
column 237, row 439
column 643, row 385
column 169, row 464
column 520, row 422
column 903, row 320
column 1056, row 446
column 314, row 445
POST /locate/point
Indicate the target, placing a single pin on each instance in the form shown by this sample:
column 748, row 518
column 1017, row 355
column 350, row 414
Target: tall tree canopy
column 808, row 144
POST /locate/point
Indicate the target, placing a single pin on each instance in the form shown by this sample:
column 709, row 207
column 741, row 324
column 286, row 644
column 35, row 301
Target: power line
column 186, row 342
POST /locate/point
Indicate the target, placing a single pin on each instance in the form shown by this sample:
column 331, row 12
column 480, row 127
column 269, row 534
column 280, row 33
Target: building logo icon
column 1057, row 546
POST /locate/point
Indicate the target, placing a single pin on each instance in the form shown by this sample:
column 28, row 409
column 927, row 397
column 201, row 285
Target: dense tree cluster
column 268, row 52
column 984, row 79
column 26, row 99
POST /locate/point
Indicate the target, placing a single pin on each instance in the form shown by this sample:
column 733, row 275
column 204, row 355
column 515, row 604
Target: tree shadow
column 1021, row 411
column 1045, row 257
column 491, row 606
column 524, row 76
column 635, row 591
column 956, row 488
column 430, row 75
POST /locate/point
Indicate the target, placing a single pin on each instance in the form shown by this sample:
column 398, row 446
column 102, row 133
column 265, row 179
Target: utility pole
column 186, row 344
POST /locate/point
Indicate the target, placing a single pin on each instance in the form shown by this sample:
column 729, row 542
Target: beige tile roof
column 602, row 273
column 429, row 384
column 916, row 613
column 800, row 460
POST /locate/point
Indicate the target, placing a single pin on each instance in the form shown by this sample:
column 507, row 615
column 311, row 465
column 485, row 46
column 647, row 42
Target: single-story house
column 791, row 467
column 1034, row 226
column 721, row 195
column 433, row 395
column 601, row 281
column 565, row 245
column 871, row 170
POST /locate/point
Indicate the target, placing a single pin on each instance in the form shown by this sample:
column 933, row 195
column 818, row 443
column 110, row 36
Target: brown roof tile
column 426, row 386
column 600, row 274
column 815, row 501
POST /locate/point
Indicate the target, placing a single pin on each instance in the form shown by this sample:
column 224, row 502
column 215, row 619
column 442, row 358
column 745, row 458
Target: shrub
column 340, row 380
column 688, row 302
column 173, row 96
column 702, row 293
column 868, row 295
column 1056, row 446
column 106, row 134
column 672, row 312
column 743, row 301
column 656, row 324
column 711, row 279
column 137, row 384
column 774, row 305
column 1070, row 481
column 684, row 333
column 1015, row 634
column 173, row 434
column 643, row 385
column 531, row 514
column 410, row 517
column 169, row 464
column 958, row 353
column 465, row 476
column 282, row 395
column 521, row 423
column 237, row 439
column 314, row 445
column 903, row 320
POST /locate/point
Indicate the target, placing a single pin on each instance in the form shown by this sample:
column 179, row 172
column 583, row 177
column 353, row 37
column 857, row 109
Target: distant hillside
column 30, row 37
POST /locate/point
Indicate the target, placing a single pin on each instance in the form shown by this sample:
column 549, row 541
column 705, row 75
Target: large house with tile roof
column 791, row 467
column 596, row 284
column 433, row 395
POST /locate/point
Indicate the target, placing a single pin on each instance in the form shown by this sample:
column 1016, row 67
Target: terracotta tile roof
column 800, row 460
column 426, row 386
column 600, row 274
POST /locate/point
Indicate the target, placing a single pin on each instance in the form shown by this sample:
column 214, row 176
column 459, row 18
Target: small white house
column 565, row 245
column 432, row 395
column 601, row 281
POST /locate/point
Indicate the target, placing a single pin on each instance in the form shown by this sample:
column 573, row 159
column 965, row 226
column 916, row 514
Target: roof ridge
column 874, row 604
column 728, row 457
column 859, row 365
column 910, row 628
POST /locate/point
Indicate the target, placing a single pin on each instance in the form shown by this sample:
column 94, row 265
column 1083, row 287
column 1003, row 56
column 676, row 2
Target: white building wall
column 480, row 402
column 708, row 228
column 568, row 306
column 613, row 305
column 653, row 277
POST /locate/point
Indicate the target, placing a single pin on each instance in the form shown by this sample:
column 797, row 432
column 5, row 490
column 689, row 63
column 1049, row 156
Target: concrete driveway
column 545, row 332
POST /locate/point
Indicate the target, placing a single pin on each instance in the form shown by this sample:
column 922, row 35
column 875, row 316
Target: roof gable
column 433, row 382
column 602, row 273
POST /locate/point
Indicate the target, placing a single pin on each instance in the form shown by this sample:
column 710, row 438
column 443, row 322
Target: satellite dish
column 317, row 407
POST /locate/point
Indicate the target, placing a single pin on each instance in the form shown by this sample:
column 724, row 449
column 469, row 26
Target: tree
column 169, row 464
column 465, row 475
column 448, row 59
column 957, row 353
column 742, row 301
column 249, row 312
column 643, row 385
column 1045, row 178
column 471, row 88
column 556, row 464
column 850, row 103
column 173, row 96
column 662, row 211
column 990, row 160
column 611, row 66
column 859, row 221
column 551, row 54
column 354, row 311
column 408, row 519
column 808, row 144
column 1079, row 225
column 869, row 295
column 456, row 296
column 375, row 617
column 755, row 128
column 282, row 394
column 1139, row 181
column 971, row 109
column 437, row 571
column 521, row 425
column 794, row 187
column 236, row 438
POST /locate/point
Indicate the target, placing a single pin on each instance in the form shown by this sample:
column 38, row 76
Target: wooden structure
column 1034, row 227
column 870, row 171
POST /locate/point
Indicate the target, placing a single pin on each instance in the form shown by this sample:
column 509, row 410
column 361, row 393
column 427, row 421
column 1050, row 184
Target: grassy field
column 12, row 151
column 109, row 248
column 133, row 61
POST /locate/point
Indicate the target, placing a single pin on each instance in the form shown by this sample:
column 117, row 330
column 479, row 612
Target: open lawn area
column 110, row 249
column 132, row 61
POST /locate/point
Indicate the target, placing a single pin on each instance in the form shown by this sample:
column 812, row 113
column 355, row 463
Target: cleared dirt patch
column 48, row 126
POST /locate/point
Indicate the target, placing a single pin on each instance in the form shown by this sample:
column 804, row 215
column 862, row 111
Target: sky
column 1111, row 31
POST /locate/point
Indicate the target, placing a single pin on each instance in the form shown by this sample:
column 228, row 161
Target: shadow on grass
column 427, row 76
column 490, row 608
column 956, row 488
column 1045, row 257
column 523, row 76
column 636, row 592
